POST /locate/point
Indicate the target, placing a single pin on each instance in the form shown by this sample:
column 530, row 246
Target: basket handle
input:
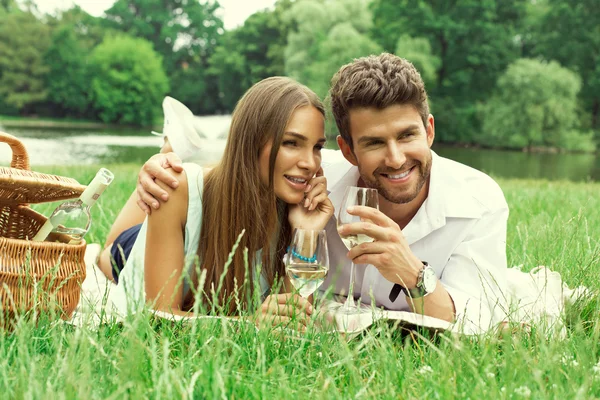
column 20, row 158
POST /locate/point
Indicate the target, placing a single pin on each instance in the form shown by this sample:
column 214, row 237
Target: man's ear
column 346, row 150
column 430, row 128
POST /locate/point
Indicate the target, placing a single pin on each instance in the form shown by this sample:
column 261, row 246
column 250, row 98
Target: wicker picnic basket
column 38, row 277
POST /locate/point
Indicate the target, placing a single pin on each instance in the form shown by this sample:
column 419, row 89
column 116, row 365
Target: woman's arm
column 165, row 256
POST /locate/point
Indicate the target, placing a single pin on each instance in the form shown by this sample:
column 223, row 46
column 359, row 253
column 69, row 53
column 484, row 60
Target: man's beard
column 423, row 171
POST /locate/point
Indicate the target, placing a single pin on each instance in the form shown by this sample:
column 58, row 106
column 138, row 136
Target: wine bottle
column 72, row 217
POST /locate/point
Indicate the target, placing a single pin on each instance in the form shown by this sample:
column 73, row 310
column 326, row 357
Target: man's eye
column 374, row 143
column 319, row 147
column 407, row 135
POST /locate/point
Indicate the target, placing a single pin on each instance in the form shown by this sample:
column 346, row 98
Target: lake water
column 77, row 146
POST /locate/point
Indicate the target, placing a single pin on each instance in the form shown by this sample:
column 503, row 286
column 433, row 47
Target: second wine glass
column 355, row 196
column 307, row 260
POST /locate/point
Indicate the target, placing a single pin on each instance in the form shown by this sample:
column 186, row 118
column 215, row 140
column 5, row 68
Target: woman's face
column 299, row 156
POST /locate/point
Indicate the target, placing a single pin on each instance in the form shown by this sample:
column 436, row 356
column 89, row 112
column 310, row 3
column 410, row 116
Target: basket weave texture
column 39, row 276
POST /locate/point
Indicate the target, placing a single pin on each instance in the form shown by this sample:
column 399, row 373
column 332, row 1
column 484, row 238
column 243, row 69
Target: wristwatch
column 426, row 283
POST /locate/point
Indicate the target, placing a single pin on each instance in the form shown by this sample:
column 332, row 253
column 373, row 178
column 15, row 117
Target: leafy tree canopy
column 570, row 34
column 179, row 30
column 250, row 53
column 23, row 42
column 534, row 104
column 128, row 82
column 327, row 35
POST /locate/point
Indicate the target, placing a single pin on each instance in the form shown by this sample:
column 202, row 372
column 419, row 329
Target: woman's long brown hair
column 234, row 199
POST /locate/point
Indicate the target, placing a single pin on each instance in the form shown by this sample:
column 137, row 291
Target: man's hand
column 283, row 309
column 389, row 252
column 156, row 168
column 316, row 209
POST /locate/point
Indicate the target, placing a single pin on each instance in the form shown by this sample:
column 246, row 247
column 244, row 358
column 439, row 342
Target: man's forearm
column 437, row 304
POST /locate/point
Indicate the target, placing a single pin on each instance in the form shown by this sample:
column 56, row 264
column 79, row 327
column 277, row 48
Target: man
column 440, row 232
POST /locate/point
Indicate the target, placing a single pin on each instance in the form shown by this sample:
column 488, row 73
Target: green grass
column 554, row 224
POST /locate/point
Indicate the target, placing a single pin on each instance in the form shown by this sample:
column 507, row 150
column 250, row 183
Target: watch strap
column 415, row 293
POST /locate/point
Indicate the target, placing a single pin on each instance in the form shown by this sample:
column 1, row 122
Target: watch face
column 429, row 279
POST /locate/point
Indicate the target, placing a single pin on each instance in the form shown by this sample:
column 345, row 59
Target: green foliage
column 250, row 53
column 67, row 80
column 23, row 42
column 535, row 104
column 88, row 30
column 475, row 41
column 185, row 34
column 128, row 82
column 418, row 51
column 569, row 32
column 179, row 30
column 327, row 35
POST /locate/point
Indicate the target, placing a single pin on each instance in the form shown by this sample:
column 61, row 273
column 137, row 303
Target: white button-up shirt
column 460, row 230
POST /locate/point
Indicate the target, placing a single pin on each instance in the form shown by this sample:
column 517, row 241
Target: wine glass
column 307, row 260
column 355, row 196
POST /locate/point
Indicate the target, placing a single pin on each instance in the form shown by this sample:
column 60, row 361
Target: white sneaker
column 179, row 128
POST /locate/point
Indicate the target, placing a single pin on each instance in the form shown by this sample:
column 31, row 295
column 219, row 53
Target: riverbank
column 59, row 123
column 551, row 223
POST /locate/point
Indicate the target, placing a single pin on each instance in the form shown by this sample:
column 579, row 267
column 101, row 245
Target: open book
column 350, row 325
column 353, row 324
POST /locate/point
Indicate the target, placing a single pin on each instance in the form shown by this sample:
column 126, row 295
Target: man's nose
column 395, row 156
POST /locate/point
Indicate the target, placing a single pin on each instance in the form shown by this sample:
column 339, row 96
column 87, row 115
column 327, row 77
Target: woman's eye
column 289, row 143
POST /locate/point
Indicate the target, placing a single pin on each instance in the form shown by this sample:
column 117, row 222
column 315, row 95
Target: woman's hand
column 283, row 310
column 157, row 169
column 316, row 209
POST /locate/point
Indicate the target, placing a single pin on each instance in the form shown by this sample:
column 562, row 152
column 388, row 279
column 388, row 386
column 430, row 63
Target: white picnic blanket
column 536, row 298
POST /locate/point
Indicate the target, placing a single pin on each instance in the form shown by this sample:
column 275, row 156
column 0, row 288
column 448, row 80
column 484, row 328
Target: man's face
column 391, row 150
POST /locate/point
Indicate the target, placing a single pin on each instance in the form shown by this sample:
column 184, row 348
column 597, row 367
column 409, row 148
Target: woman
column 267, row 183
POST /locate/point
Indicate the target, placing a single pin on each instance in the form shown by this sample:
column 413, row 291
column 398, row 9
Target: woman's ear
column 346, row 150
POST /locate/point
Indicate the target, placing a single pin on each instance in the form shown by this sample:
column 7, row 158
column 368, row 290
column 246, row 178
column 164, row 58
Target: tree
column 67, row 79
column 185, row 34
column 327, row 35
column 23, row 42
column 475, row 41
column 250, row 53
column 128, row 82
column 534, row 104
column 418, row 51
column 179, row 30
column 570, row 34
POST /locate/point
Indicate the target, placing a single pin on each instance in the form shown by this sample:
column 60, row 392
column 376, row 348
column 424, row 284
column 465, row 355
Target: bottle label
column 43, row 232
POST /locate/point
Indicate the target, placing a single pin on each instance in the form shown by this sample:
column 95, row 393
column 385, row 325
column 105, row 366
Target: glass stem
column 350, row 304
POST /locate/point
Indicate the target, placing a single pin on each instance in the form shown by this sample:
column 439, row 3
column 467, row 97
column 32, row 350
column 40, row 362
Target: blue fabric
column 121, row 248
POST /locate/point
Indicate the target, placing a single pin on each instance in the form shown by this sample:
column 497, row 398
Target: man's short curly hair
column 375, row 82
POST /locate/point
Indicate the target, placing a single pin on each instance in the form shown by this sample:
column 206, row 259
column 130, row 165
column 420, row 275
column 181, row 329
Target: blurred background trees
column 499, row 73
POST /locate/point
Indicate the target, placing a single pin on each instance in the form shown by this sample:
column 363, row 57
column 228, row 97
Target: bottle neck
column 91, row 194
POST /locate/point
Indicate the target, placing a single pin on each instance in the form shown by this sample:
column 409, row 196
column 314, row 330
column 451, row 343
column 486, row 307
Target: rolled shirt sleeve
column 475, row 275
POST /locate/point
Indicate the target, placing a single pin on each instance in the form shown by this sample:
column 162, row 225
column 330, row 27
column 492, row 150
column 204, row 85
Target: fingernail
column 308, row 188
column 155, row 205
column 174, row 184
column 165, row 197
column 350, row 209
column 306, row 203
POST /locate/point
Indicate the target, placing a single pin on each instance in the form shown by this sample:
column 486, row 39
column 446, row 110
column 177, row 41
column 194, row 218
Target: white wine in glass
column 307, row 260
column 355, row 196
